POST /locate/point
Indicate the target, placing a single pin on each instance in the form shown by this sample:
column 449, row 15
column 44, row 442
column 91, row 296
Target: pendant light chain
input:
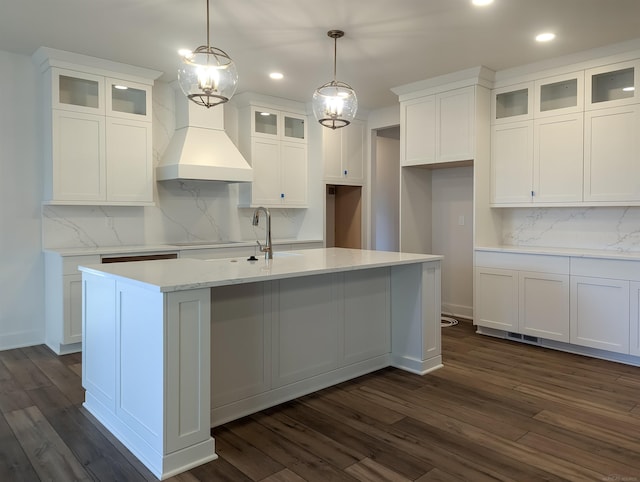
column 208, row 43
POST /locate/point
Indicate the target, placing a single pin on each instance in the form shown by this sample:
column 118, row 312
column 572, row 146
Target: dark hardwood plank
column 498, row 410
column 14, row 463
column 49, row 456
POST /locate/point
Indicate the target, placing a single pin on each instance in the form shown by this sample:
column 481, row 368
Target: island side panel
column 415, row 317
column 146, row 370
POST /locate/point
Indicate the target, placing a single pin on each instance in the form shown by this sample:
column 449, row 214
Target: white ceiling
column 387, row 43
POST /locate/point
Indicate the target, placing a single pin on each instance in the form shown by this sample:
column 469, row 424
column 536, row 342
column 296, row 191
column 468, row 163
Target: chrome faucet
column 267, row 249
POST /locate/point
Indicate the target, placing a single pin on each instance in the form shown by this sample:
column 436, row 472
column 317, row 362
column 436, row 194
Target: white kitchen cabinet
column 612, row 85
column 600, row 313
column 496, row 295
column 558, row 159
column 513, row 103
column 561, row 94
column 240, row 343
column 438, row 128
column 537, row 162
column 343, row 154
column 634, row 315
column 612, row 154
column 63, row 301
column 275, row 143
column 77, row 162
column 544, row 305
column 512, row 163
column 98, row 147
column 523, row 293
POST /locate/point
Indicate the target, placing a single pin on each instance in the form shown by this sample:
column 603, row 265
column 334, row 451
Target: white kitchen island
column 172, row 348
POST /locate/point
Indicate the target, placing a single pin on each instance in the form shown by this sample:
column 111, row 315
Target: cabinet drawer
column 606, row 268
column 523, row 262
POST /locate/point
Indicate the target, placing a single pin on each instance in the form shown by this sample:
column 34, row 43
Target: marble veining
column 185, row 211
column 185, row 273
column 602, row 228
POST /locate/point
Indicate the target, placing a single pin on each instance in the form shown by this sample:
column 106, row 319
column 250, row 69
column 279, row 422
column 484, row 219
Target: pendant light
column 335, row 103
column 207, row 76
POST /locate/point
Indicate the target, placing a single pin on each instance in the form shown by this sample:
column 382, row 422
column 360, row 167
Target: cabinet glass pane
column 77, row 91
column 129, row 100
column 266, row 123
column 509, row 104
column 559, row 95
column 294, row 127
column 612, row 85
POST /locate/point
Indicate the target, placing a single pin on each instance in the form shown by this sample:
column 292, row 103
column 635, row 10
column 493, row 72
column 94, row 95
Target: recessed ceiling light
column 545, row 37
column 276, row 75
column 481, row 3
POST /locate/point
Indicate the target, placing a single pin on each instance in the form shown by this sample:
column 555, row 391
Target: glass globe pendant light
column 207, row 75
column 335, row 103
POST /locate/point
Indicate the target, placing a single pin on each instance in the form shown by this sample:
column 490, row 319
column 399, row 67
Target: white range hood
column 200, row 148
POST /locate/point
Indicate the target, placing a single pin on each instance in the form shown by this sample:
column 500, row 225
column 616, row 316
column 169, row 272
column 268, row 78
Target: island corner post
column 147, row 364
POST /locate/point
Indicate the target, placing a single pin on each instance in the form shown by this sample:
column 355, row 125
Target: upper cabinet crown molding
column 463, row 78
column 45, row 58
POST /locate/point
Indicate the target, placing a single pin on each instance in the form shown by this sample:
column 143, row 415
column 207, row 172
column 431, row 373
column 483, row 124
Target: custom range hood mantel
column 200, row 148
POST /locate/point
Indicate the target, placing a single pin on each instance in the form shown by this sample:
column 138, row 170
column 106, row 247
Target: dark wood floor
column 497, row 411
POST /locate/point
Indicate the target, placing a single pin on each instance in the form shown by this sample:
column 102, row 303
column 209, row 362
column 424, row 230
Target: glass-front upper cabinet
column 77, row 91
column 563, row 94
column 512, row 104
column 265, row 122
column 294, row 127
column 278, row 124
column 612, row 85
column 129, row 100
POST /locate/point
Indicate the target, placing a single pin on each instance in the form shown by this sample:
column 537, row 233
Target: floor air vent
column 532, row 339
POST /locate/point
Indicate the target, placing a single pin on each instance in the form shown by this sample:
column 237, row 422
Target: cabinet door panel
column 496, row 298
column 600, row 313
column 78, row 157
column 512, row 163
column 72, row 308
column 294, row 173
column 367, row 321
column 455, row 126
column 634, row 329
column 418, row 133
column 544, row 305
column 332, row 153
column 129, row 161
column 240, row 343
column 611, row 154
column 353, row 152
column 558, row 159
column 265, row 158
column 306, row 332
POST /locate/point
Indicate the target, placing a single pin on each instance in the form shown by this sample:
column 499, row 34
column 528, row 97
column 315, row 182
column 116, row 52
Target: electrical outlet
column 460, row 220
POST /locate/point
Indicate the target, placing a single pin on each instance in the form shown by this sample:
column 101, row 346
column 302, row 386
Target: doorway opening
column 343, row 227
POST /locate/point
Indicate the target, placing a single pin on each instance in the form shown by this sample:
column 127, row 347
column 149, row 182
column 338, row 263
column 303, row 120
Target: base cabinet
column 544, row 305
column 586, row 303
column 526, row 302
column 63, row 301
column 600, row 313
column 634, row 328
column 270, row 336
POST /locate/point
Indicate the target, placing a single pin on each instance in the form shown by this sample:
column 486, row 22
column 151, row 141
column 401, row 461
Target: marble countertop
column 161, row 248
column 573, row 252
column 185, row 273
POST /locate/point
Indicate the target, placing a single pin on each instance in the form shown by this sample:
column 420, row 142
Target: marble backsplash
column 185, row 210
column 606, row 228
